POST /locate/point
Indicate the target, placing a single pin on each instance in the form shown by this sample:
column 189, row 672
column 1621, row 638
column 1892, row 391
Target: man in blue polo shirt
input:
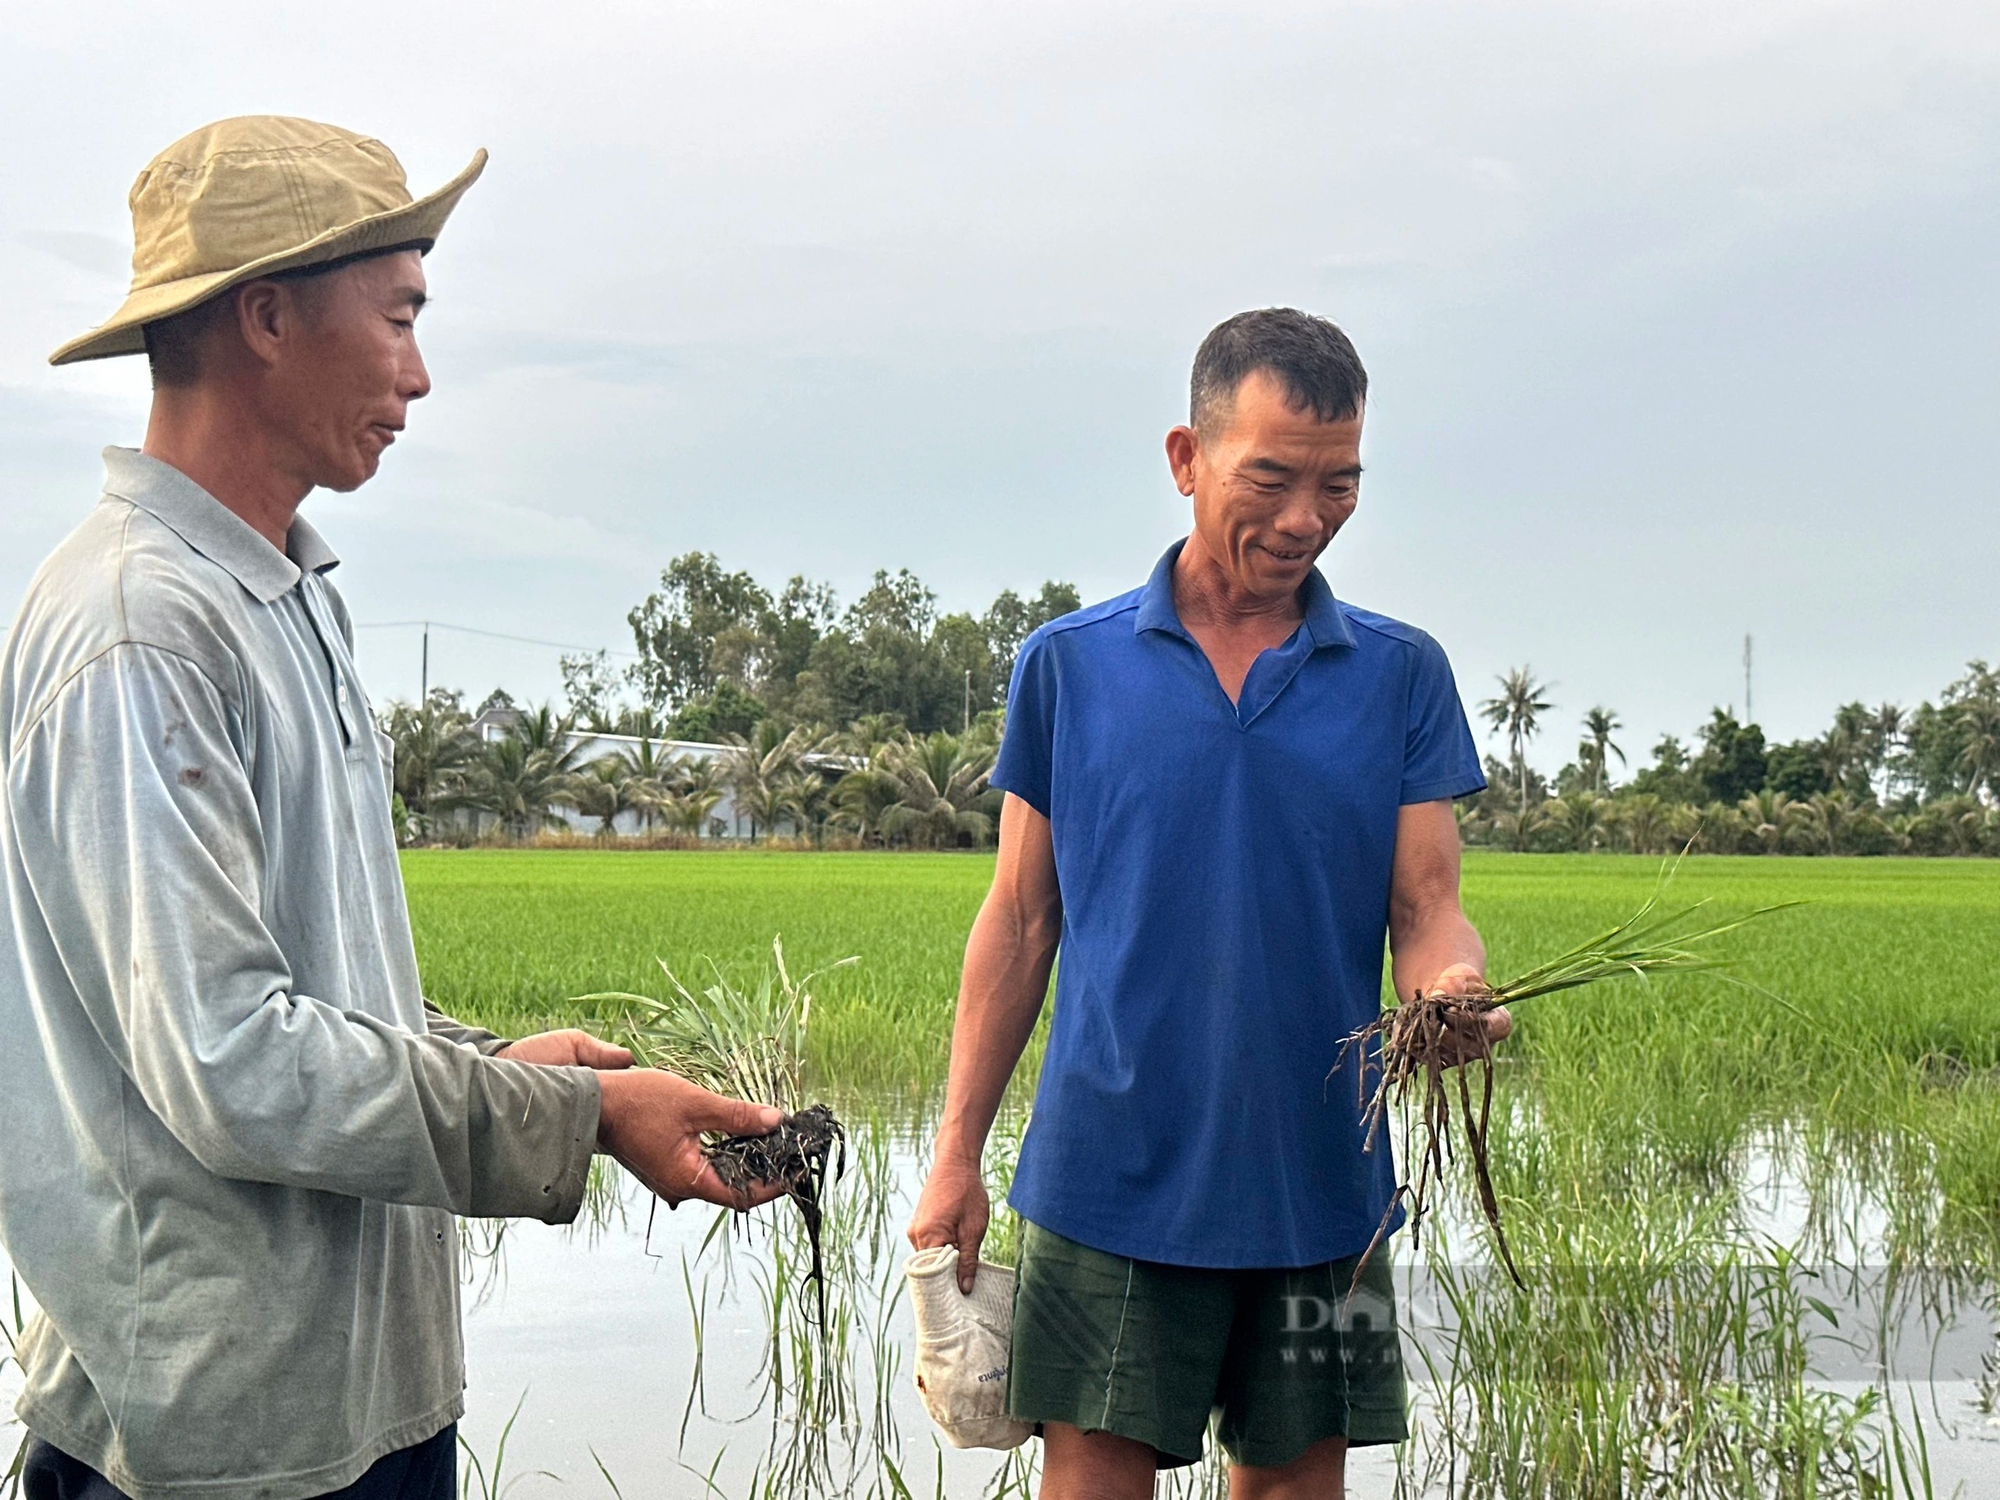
column 1223, row 790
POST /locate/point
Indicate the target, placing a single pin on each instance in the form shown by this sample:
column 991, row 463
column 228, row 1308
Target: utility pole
column 424, row 692
column 968, row 702
column 1749, row 713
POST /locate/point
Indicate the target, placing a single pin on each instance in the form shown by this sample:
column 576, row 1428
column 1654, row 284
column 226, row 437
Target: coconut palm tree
column 1720, row 829
column 1683, row 825
column 935, row 781
column 651, row 780
column 867, row 734
column 690, row 791
column 605, row 788
column 1518, row 830
column 642, row 723
column 1885, row 734
column 1848, row 752
column 1598, row 727
column 1949, row 826
column 1643, row 819
column 1466, row 814
column 1771, row 819
column 524, row 774
column 763, row 775
column 1580, row 820
column 1835, row 823
column 769, row 803
column 811, row 799
column 432, row 747
column 1517, row 711
column 1964, row 823
column 860, row 797
column 514, row 783
column 1889, row 722
column 1979, row 755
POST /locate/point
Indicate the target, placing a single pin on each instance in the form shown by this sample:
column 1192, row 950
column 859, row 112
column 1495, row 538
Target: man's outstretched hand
column 566, row 1049
column 652, row 1122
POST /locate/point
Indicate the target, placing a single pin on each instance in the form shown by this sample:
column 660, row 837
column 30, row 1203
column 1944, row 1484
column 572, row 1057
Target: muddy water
column 599, row 1334
column 639, row 1345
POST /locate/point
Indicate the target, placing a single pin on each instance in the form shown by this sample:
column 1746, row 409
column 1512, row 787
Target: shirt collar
column 214, row 530
column 1325, row 622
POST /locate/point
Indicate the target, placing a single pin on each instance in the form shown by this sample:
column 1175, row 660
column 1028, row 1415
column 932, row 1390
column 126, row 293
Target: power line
column 498, row 635
column 427, row 626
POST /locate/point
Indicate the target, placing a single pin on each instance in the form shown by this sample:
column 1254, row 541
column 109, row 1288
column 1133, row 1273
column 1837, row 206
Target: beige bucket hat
column 253, row 196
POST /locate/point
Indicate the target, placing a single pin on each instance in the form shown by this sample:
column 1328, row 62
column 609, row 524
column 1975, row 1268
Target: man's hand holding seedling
column 1433, row 949
column 1463, row 980
column 652, row 1122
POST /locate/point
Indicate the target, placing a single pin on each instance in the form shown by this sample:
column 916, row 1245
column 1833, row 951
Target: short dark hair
column 173, row 345
column 1311, row 358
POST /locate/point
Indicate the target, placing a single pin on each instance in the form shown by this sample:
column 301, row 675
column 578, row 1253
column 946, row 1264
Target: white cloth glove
column 962, row 1349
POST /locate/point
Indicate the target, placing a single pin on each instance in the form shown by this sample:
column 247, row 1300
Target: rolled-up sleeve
column 141, row 841
column 437, row 1023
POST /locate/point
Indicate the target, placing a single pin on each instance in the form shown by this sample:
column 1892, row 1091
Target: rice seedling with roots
column 749, row 1043
column 1430, row 1043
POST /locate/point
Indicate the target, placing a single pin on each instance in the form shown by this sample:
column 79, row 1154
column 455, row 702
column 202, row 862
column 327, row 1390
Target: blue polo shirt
column 1225, row 882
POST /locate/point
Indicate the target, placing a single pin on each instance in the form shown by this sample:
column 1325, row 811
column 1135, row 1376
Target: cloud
column 97, row 254
column 1679, row 318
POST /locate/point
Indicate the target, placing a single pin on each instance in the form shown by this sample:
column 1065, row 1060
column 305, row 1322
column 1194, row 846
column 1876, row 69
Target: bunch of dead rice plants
column 1429, row 1044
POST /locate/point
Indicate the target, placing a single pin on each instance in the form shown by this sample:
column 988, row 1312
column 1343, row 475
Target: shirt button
column 340, row 694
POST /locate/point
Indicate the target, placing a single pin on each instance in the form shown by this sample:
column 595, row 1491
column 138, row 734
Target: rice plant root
column 798, row 1155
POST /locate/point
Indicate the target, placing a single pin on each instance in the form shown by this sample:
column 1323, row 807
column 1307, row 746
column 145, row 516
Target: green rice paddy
column 1891, row 966
column 1672, row 1338
column 505, row 937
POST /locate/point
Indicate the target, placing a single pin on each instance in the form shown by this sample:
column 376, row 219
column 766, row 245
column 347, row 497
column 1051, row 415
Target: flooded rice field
column 641, row 1353
column 1758, row 1221
column 669, row 1356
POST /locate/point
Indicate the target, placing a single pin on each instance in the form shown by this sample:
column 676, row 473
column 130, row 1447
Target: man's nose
column 1299, row 517
column 415, row 383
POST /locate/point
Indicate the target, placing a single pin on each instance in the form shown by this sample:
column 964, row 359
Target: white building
column 723, row 822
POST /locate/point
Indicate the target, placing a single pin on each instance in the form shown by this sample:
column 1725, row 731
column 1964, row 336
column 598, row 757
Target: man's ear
column 265, row 315
column 1183, row 447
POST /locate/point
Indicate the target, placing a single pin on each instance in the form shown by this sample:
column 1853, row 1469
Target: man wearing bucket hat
column 235, row 1133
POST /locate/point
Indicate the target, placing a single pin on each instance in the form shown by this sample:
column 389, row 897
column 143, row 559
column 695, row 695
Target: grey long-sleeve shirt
column 232, row 1140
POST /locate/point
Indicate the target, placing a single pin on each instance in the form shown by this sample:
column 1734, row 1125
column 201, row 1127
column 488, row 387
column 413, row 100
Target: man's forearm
column 1007, row 962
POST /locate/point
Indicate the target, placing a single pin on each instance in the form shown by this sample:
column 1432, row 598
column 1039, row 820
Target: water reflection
column 1786, row 1303
column 674, row 1354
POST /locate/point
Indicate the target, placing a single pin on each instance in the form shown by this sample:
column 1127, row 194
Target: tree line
column 878, row 724
column 1881, row 780
column 875, row 783
column 718, row 653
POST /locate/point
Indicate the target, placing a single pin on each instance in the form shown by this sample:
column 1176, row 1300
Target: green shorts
column 1148, row 1351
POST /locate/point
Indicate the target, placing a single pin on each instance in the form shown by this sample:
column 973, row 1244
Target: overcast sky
column 1680, row 318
